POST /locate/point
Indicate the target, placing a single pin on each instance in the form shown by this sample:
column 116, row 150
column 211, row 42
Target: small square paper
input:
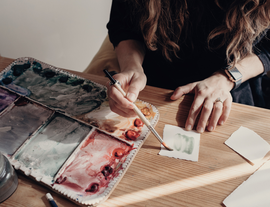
column 248, row 144
column 185, row 144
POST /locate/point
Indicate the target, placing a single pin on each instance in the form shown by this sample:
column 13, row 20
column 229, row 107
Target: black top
column 194, row 63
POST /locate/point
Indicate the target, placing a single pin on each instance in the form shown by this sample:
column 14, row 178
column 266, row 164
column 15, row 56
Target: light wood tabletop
column 154, row 180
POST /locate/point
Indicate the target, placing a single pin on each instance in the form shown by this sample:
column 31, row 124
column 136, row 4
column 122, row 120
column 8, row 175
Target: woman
column 187, row 46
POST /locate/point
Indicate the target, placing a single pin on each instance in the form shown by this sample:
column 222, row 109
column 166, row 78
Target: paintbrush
column 117, row 85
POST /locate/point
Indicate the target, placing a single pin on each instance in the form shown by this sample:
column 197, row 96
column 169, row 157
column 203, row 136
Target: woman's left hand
column 212, row 101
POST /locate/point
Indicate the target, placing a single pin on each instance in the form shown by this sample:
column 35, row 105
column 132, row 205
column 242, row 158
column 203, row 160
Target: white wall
column 63, row 33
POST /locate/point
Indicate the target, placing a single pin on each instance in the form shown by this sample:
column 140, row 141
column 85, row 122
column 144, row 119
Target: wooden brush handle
column 136, row 109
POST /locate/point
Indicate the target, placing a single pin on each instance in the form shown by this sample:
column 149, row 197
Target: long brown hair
column 163, row 22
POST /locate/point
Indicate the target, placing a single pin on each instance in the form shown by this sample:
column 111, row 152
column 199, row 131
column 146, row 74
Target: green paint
column 183, row 143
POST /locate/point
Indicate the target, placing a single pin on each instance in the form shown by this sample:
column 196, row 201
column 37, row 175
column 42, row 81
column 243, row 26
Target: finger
column 119, row 103
column 119, row 99
column 205, row 114
column 137, row 84
column 182, row 90
column 226, row 111
column 125, row 112
column 215, row 116
column 194, row 112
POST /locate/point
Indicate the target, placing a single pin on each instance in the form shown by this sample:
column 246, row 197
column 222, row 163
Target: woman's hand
column 130, row 55
column 132, row 82
column 212, row 99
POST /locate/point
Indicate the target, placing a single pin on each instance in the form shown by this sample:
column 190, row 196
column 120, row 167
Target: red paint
column 93, row 188
column 60, row 180
column 131, row 134
column 87, row 142
column 138, row 123
column 96, row 163
column 107, row 171
column 21, row 102
column 118, row 153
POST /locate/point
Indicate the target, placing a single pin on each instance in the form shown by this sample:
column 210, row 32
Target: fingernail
column 221, row 123
column 131, row 106
column 211, row 128
column 200, row 129
column 188, row 127
column 131, row 97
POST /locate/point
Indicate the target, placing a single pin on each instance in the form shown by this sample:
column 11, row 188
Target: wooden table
column 154, row 180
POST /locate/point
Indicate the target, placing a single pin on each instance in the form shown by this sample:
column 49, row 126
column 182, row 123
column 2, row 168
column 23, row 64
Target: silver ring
column 218, row 100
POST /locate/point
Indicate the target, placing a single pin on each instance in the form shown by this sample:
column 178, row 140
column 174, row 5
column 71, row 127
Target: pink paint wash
column 95, row 164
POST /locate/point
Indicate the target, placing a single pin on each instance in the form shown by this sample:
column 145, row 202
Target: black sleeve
column 122, row 25
column 262, row 50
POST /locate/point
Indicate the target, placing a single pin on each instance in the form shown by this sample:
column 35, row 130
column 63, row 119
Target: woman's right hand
column 132, row 82
column 130, row 55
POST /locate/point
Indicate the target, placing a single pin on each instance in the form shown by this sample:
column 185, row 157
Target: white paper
column 185, row 144
column 248, row 144
column 254, row 192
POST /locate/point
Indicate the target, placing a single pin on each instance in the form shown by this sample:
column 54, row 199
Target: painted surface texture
column 49, row 149
column 96, row 163
column 6, row 98
column 116, row 125
column 68, row 94
column 17, row 124
column 185, row 144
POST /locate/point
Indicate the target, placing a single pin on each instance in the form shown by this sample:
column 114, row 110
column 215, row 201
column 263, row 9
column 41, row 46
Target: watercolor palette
column 58, row 129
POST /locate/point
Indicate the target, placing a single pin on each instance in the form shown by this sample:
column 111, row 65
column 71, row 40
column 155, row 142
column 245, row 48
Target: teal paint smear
column 49, row 149
column 18, row 123
column 67, row 94
column 183, row 143
column 178, row 142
